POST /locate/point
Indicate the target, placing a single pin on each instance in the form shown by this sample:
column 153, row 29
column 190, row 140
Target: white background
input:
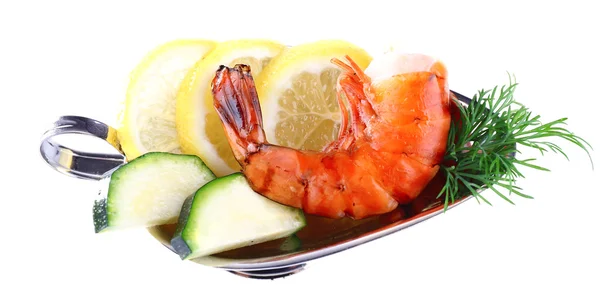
column 60, row 58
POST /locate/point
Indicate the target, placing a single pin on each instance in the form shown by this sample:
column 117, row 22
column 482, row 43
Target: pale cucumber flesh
column 149, row 191
column 226, row 214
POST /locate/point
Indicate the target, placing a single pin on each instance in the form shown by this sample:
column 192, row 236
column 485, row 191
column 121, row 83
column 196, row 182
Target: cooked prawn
column 392, row 138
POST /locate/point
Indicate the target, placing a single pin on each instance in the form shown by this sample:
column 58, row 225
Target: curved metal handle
column 75, row 163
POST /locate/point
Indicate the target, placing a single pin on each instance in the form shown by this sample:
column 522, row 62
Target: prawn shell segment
column 413, row 117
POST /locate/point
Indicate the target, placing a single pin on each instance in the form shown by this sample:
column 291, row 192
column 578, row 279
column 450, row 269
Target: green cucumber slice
column 149, row 191
column 291, row 244
column 226, row 214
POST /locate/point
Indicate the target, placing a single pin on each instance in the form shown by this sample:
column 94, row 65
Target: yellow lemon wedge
column 147, row 120
column 199, row 128
column 297, row 92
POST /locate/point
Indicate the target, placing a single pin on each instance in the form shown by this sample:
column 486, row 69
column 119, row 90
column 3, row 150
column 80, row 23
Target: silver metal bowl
column 321, row 237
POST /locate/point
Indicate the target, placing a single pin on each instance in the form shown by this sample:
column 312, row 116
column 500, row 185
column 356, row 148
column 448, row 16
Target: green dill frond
column 483, row 147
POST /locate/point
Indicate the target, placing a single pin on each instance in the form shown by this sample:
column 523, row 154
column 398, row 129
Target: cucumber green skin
column 100, row 215
column 178, row 242
column 102, row 206
column 292, row 243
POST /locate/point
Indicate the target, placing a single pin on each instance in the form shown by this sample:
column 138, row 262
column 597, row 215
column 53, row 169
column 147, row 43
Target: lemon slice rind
column 149, row 106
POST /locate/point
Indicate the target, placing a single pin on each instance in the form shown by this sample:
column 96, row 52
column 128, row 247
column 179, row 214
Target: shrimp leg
column 349, row 132
column 355, row 84
column 349, row 88
column 345, row 137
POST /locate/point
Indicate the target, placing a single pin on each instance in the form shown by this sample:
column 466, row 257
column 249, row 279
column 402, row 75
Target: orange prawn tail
column 236, row 102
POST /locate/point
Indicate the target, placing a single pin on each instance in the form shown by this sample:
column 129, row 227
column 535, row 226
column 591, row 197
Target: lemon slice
column 147, row 119
column 198, row 126
column 297, row 91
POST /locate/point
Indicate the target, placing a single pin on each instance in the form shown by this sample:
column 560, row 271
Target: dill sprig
column 483, row 145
